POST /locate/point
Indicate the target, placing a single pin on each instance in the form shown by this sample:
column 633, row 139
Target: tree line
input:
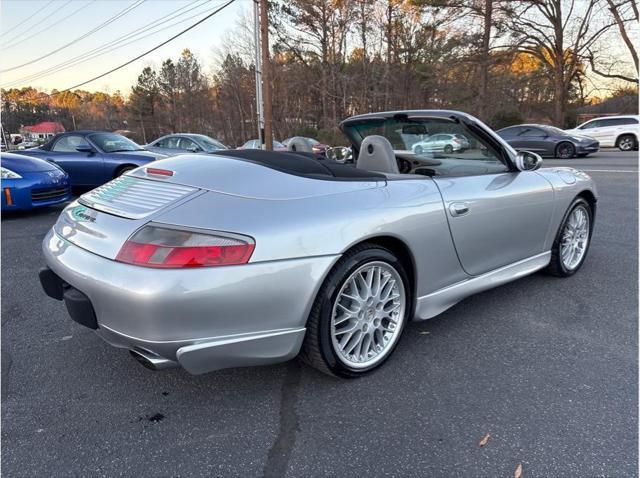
column 505, row 61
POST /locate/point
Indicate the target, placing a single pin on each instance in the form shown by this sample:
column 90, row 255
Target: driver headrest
column 376, row 154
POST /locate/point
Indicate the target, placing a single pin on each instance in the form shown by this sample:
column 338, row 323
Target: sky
column 34, row 28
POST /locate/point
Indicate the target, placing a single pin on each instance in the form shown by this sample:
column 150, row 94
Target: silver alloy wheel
column 575, row 238
column 626, row 143
column 367, row 315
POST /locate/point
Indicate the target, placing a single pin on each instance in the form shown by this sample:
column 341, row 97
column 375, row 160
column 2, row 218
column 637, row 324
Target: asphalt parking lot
column 548, row 367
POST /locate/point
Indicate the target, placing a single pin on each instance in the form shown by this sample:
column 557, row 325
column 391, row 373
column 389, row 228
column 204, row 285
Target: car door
column 531, row 139
column 621, row 126
column 595, row 129
column 606, row 131
column 510, row 135
column 85, row 168
column 434, row 143
column 497, row 215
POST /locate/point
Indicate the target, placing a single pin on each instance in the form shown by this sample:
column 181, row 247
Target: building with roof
column 41, row 131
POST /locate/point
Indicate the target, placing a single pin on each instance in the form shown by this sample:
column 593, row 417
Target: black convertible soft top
column 308, row 165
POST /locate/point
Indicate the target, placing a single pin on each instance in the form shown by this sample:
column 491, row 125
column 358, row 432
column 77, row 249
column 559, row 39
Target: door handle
column 459, row 208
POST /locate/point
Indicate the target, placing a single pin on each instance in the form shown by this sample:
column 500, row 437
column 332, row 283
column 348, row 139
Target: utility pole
column 266, row 74
column 258, row 70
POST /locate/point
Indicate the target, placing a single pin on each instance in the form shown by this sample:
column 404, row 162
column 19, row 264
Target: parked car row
column 621, row 132
column 88, row 159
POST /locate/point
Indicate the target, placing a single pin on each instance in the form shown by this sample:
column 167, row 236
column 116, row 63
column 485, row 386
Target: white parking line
column 609, row 170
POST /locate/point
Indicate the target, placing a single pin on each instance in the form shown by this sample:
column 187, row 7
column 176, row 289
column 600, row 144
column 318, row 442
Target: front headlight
column 8, row 174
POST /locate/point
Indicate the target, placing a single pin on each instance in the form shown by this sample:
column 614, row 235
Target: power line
column 118, row 15
column 111, row 45
column 146, row 52
column 53, row 24
column 26, row 20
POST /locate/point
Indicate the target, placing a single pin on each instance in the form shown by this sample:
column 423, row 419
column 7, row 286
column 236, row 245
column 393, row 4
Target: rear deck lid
column 247, row 179
column 135, row 198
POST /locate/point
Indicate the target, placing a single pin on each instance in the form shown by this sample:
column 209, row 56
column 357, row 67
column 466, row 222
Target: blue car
column 92, row 158
column 30, row 182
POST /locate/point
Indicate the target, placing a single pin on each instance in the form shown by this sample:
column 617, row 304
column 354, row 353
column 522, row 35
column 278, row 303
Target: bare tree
column 617, row 13
column 560, row 33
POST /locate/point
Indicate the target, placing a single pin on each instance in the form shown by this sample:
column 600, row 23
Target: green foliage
column 505, row 118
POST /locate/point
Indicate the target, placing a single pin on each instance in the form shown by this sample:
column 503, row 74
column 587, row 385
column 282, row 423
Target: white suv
column 619, row 131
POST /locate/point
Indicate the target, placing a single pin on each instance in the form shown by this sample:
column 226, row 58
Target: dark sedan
column 548, row 141
column 92, row 158
column 181, row 143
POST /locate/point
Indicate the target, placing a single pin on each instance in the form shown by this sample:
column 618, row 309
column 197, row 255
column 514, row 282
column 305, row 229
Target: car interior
column 386, row 145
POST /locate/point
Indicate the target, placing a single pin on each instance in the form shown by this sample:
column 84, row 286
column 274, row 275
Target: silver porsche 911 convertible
column 250, row 257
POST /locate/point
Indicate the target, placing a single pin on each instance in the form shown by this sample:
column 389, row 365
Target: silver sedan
column 254, row 257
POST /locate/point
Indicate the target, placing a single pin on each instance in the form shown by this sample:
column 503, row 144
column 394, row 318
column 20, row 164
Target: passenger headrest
column 376, row 154
column 299, row 144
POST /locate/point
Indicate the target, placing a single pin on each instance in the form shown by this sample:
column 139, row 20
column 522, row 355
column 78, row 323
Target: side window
column 171, row 142
column 69, row 143
column 621, row 121
column 608, row 123
column 532, row 132
column 186, row 143
column 510, row 132
column 591, row 124
column 161, row 144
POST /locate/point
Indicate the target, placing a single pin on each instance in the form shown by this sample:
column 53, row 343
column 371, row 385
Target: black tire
column 123, row 169
column 418, row 150
column 627, row 142
column 448, row 149
column 565, row 150
column 556, row 266
column 317, row 349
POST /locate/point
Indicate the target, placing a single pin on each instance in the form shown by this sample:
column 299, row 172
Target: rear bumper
column 201, row 319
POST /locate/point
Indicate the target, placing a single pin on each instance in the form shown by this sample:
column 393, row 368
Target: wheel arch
column 588, row 196
column 626, row 133
column 402, row 251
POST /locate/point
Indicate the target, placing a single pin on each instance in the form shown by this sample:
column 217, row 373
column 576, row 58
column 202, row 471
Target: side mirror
column 341, row 154
column 528, row 161
column 85, row 149
column 194, row 149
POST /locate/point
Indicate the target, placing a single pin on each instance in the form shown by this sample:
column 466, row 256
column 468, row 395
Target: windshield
column 211, row 144
column 113, row 143
column 435, row 146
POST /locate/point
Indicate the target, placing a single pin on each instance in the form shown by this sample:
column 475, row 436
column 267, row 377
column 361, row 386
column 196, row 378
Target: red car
column 316, row 146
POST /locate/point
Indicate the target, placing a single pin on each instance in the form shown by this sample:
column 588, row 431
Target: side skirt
column 430, row 305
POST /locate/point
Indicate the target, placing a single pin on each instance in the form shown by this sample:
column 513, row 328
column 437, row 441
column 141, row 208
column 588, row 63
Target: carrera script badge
column 82, row 214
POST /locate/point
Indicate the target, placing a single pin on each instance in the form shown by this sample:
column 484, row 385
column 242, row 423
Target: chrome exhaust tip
column 150, row 360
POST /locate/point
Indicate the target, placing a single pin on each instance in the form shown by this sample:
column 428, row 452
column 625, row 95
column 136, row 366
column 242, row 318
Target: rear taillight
column 159, row 172
column 456, row 140
column 164, row 247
